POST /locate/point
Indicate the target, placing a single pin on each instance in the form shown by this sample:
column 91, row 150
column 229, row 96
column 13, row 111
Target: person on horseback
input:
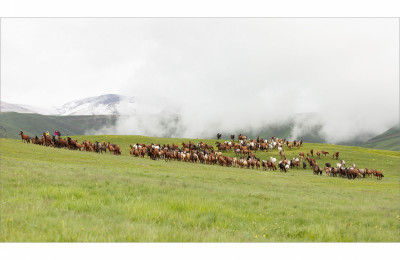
column 55, row 133
column 47, row 133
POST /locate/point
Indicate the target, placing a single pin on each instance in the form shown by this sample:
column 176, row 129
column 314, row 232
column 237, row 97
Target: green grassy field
column 50, row 194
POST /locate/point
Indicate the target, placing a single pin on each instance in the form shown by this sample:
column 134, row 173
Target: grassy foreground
column 50, row 194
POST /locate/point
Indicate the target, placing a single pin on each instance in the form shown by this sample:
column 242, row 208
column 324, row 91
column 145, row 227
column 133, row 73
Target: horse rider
column 47, row 133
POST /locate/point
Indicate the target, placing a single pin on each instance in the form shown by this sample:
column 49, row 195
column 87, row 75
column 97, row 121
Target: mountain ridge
column 108, row 104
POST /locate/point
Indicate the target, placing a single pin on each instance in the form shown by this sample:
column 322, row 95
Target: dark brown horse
column 71, row 143
column 37, row 140
column 219, row 136
column 335, row 155
column 221, row 147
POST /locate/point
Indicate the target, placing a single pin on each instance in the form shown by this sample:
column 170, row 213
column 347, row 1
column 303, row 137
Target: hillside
column 389, row 140
column 35, row 124
column 107, row 198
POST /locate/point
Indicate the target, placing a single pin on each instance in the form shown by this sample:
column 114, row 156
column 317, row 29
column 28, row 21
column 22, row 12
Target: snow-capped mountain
column 109, row 104
column 8, row 107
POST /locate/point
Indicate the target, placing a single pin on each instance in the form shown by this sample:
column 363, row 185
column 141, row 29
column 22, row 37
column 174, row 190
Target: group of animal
column 71, row 144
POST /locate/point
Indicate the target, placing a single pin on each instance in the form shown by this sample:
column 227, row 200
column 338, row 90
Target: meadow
column 50, row 194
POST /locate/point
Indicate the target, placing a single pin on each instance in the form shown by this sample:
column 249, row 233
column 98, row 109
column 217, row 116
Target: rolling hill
column 34, row 124
column 389, row 140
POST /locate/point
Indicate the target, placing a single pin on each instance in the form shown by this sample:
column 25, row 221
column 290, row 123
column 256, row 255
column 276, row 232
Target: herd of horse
column 245, row 154
column 47, row 140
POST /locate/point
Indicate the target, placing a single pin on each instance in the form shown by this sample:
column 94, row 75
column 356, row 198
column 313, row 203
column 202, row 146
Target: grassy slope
column 389, row 140
column 60, row 195
column 394, row 131
column 391, row 144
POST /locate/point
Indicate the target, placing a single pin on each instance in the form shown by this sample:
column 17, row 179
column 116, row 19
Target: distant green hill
column 392, row 132
column 34, row 124
column 389, row 140
column 282, row 130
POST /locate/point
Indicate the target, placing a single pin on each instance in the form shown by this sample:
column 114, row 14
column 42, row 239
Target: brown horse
column 78, row 145
column 327, row 171
column 319, row 155
column 369, row 172
column 110, row 148
column 37, row 140
column 378, row 175
column 24, row 138
column 324, row 153
column 317, row 170
column 117, row 150
column 71, row 143
column 63, row 142
column 335, row 155
column 271, row 166
column 46, row 139
column 242, row 137
column 209, row 147
column 221, row 147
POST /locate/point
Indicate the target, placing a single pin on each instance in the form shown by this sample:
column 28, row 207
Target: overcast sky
column 238, row 69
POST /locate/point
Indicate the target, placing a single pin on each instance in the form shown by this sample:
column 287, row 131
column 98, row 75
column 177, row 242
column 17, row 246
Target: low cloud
column 218, row 75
